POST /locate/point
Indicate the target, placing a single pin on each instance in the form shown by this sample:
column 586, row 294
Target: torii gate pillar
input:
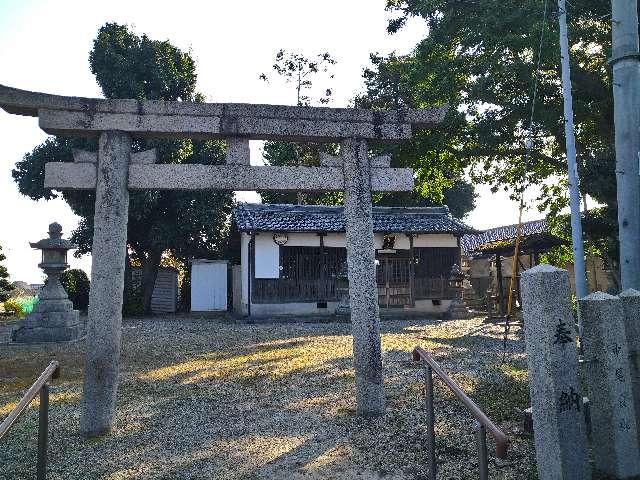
column 363, row 291
column 104, row 326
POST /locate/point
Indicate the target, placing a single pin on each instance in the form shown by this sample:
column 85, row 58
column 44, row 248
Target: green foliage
column 5, row 284
column 27, row 303
column 13, row 308
column 481, row 58
column 460, row 198
column 76, row 283
column 188, row 224
column 128, row 66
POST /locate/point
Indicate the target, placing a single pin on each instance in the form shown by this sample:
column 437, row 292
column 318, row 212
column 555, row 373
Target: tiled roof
column 471, row 242
column 322, row 218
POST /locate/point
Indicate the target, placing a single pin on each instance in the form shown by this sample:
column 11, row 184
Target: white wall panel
column 303, row 239
column 267, row 256
column 335, row 240
column 435, row 240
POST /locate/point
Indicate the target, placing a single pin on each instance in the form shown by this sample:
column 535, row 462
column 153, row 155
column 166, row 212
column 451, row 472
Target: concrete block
column 24, row 102
column 74, row 176
column 238, row 152
column 328, row 160
column 84, row 156
column 381, row 161
column 147, row 157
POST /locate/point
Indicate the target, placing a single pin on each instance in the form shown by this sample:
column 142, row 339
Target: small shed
column 209, row 285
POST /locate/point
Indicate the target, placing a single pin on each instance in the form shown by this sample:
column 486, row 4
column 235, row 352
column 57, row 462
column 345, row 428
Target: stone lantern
column 456, row 285
column 53, row 318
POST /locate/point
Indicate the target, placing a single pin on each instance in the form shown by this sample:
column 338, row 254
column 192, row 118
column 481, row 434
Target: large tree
column 486, row 59
column 185, row 224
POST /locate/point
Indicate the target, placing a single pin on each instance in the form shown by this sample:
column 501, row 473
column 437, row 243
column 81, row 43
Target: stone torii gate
column 114, row 170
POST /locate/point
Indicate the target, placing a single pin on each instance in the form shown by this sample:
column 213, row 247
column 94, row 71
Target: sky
column 44, row 46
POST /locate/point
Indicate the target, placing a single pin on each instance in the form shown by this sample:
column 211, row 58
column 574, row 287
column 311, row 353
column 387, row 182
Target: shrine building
column 293, row 258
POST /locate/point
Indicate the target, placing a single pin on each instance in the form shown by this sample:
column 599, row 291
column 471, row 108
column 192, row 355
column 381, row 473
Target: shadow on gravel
column 203, row 399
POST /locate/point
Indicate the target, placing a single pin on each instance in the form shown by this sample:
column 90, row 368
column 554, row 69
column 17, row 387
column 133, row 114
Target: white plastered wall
column 303, row 239
column 267, row 256
column 337, row 239
column 434, row 240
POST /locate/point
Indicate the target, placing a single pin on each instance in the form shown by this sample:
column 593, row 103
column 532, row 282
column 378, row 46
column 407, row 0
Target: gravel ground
column 205, row 398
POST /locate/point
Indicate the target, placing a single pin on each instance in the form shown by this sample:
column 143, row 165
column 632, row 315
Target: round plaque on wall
column 280, row 238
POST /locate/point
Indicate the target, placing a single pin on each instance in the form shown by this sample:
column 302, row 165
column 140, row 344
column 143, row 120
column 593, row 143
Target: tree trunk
column 150, row 267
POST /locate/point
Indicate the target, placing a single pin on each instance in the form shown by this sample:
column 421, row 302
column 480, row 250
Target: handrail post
column 431, row 436
column 43, row 432
column 481, row 437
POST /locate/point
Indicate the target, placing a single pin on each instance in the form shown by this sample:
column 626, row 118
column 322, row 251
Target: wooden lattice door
column 393, row 278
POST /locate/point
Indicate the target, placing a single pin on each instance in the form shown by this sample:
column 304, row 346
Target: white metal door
column 208, row 286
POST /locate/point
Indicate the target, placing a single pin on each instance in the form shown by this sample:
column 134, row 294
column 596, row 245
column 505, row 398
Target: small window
column 435, row 302
column 321, row 305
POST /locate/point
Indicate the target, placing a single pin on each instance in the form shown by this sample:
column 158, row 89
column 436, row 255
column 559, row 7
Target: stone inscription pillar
column 631, row 307
column 363, row 290
column 107, row 281
column 614, row 434
column 556, row 402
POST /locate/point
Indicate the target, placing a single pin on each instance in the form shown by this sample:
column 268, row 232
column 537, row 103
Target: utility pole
column 574, row 182
column 626, row 95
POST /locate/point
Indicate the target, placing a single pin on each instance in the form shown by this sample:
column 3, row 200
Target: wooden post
column 412, row 274
column 323, row 280
column 252, row 262
column 387, row 270
column 500, row 287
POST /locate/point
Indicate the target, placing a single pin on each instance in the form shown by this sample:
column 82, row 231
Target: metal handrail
column 39, row 387
column 482, row 424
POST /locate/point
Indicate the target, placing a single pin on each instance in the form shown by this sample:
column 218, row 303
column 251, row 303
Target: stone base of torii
column 115, row 170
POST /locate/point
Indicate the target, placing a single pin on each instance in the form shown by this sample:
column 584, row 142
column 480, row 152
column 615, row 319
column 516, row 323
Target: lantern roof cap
column 55, row 240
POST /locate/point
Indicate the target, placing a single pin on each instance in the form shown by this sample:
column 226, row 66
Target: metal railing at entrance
column 482, row 423
column 39, row 387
